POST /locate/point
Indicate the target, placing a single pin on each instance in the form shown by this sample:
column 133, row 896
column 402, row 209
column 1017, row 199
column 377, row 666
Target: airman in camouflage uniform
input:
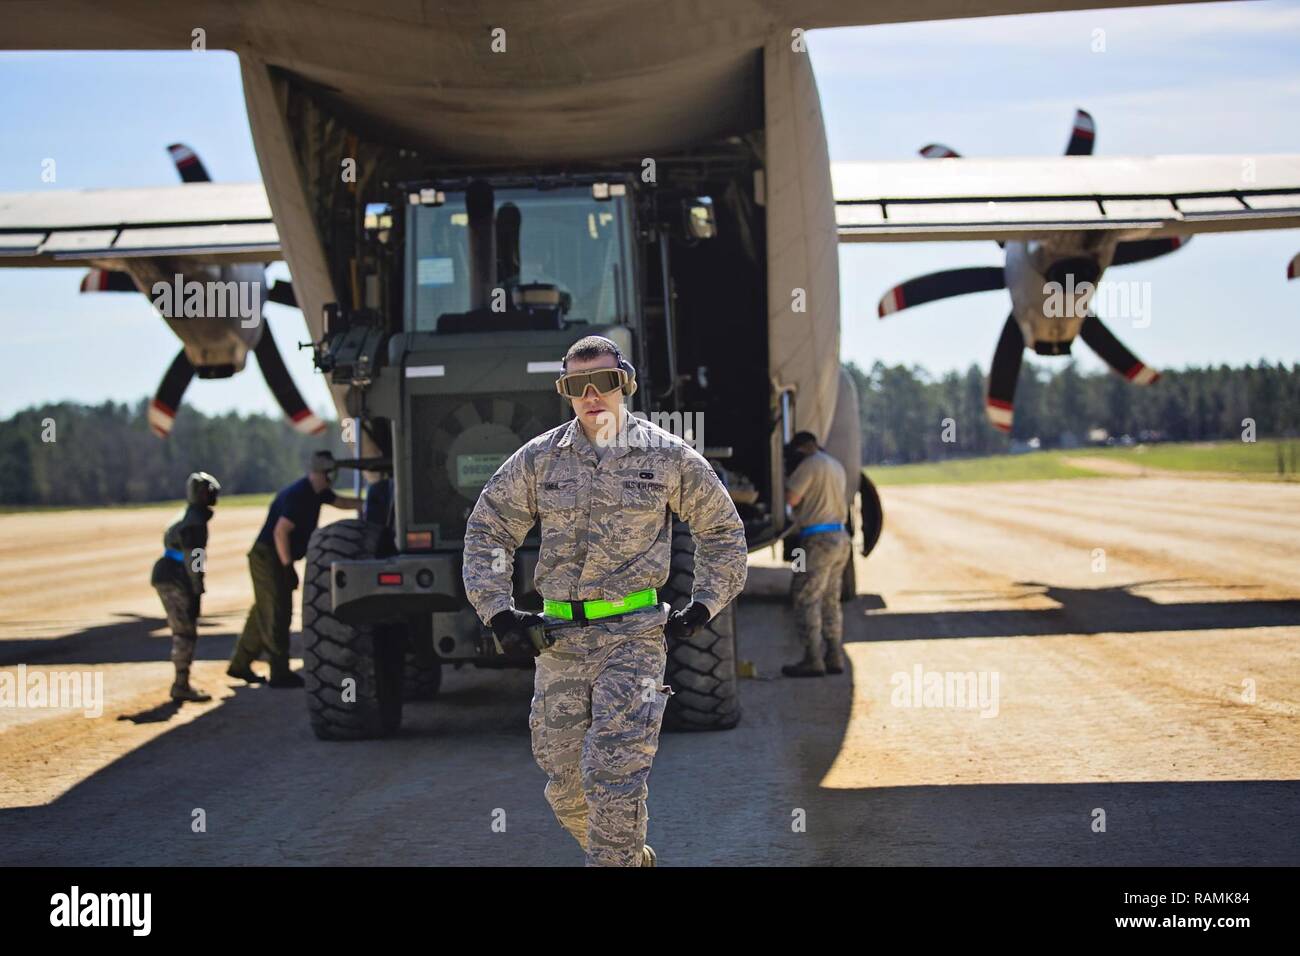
column 604, row 497
column 178, row 578
column 816, row 490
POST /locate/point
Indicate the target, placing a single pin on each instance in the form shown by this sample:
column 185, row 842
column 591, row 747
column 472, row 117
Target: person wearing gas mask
column 178, row 578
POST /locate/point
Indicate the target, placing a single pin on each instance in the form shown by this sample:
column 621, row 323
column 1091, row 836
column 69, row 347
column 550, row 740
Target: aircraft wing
column 192, row 223
column 1023, row 198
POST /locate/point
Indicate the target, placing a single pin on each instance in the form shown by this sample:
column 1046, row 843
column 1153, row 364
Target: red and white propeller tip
column 188, row 164
column 891, row 302
column 307, row 422
column 96, row 280
column 1142, row 374
column 1085, row 127
column 182, row 155
column 161, row 418
column 999, row 413
column 107, row 280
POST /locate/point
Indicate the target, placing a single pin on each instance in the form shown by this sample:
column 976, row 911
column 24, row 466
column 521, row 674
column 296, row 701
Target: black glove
column 684, row 623
column 519, row 633
column 292, row 575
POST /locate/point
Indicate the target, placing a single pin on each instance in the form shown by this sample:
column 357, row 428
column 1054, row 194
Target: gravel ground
column 1131, row 645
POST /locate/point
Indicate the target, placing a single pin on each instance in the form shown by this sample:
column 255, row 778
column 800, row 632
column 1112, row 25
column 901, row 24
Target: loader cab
column 486, row 257
column 500, row 277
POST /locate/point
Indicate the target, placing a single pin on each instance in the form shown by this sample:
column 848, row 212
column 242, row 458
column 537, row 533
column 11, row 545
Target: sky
column 1198, row 78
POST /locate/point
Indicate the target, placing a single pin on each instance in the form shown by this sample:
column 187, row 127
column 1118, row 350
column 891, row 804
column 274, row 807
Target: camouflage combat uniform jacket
column 606, row 527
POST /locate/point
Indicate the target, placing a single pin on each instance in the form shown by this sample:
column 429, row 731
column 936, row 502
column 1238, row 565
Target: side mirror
column 698, row 213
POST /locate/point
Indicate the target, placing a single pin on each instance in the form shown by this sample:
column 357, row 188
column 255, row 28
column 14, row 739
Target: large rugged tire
column 873, row 514
column 333, row 651
column 422, row 671
column 873, row 522
column 701, row 668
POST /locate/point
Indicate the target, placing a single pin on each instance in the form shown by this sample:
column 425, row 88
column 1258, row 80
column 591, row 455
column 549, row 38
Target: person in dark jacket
column 178, row 577
column 291, row 519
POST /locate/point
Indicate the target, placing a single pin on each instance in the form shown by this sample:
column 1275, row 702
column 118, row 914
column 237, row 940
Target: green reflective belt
column 591, row 610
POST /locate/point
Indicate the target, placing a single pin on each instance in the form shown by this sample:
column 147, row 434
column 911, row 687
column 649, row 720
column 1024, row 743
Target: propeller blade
column 939, row 151
column 1140, row 250
column 188, row 164
column 1083, row 136
column 1293, row 267
column 107, row 280
column 1004, row 374
column 1102, row 341
column 286, row 393
column 940, row 285
column 166, row 401
column 282, row 294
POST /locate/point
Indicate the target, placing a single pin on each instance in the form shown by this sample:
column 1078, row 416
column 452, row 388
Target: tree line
column 73, row 454
column 903, row 410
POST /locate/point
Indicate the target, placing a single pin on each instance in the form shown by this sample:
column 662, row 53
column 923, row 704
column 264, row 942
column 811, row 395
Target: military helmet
column 201, row 489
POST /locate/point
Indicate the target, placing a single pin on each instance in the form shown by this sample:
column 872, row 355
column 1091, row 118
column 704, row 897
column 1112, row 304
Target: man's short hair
column 322, row 461
column 590, row 347
column 803, row 438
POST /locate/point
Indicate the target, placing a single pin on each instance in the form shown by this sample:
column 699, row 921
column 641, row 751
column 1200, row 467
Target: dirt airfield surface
column 1130, row 648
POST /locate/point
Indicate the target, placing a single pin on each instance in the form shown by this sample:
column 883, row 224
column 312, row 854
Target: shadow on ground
column 268, row 792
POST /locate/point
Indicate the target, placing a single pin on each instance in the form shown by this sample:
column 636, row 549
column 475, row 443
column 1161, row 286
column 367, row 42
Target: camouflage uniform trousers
column 598, row 704
column 182, row 607
column 815, row 591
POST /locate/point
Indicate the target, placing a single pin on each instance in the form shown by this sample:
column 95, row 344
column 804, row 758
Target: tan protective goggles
column 574, row 385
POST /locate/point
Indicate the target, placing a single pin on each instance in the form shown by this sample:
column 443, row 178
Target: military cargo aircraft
column 462, row 190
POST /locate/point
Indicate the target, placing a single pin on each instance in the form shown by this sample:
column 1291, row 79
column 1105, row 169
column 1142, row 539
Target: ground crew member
column 291, row 519
column 604, row 485
column 178, row 578
column 816, row 491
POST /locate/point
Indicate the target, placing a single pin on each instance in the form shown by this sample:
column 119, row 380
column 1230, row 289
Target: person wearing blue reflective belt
column 815, row 490
column 178, row 578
